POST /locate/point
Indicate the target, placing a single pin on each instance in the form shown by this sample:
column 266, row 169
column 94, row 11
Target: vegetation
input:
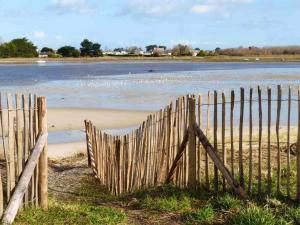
column 77, row 198
column 18, row 48
column 90, row 49
column 22, row 47
column 253, row 216
column 202, row 53
column 255, row 51
column 150, row 48
column 47, row 50
column 202, row 215
column 182, row 50
column 68, row 51
column 71, row 213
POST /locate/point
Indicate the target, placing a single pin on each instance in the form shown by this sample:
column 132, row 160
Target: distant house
column 116, row 53
column 43, row 55
column 195, row 52
column 121, row 53
column 46, row 54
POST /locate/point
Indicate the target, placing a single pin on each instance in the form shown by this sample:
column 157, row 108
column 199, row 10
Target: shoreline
column 66, row 119
column 70, row 119
column 245, row 59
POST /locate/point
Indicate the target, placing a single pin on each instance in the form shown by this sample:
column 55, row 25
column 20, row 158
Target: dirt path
column 71, row 180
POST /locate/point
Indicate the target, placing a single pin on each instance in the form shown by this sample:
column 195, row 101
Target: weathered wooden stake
column 192, row 178
column 43, row 161
column 298, row 150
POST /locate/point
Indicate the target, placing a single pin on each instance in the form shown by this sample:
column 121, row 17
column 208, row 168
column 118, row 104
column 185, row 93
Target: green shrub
column 253, row 216
column 203, row 215
column 226, row 202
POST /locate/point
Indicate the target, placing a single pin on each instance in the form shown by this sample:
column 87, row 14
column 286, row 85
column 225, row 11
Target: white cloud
column 39, row 34
column 202, row 8
column 152, row 7
column 208, row 6
column 168, row 7
column 77, row 6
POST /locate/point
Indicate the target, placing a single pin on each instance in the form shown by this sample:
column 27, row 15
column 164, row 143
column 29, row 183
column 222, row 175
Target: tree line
column 22, row 47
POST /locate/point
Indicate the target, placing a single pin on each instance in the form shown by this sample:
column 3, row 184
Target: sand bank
column 73, row 119
column 58, row 151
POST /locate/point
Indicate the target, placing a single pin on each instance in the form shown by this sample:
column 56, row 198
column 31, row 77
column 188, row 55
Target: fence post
column 43, row 161
column 298, row 150
column 192, row 182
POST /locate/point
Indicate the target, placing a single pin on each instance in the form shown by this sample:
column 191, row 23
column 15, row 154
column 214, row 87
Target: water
column 138, row 85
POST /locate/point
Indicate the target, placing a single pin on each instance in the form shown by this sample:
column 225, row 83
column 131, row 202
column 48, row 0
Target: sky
column 206, row 24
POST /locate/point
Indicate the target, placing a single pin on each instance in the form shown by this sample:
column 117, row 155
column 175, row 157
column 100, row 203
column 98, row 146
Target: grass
column 185, row 207
column 205, row 208
column 71, row 213
column 202, row 215
column 253, row 216
column 226, row 202
column 81, row 200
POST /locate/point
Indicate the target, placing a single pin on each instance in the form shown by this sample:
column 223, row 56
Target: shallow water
column 130, row 85
column 140, row 86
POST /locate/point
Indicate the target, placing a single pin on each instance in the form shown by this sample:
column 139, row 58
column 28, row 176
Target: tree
column 68, row 51
column 91, row 49
column 24, row 48
column 182, row 50
column 47, row 50
column 150, row 48
column 118, row 49
column 20, row 47
column 96, row 50
column 202, row 53
column 86, row 47
column 134, row 50
column 162, row 46
column 7, row 50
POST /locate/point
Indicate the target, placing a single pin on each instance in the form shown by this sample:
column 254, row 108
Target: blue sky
column 121, row 23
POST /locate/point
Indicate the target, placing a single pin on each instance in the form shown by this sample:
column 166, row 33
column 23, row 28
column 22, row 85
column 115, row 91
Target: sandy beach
column 73, row 119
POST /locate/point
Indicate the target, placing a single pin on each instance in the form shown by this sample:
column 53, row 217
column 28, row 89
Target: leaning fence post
column 43, row 161
column 192, row 145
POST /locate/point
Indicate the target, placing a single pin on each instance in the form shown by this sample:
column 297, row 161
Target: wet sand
column 73, row 119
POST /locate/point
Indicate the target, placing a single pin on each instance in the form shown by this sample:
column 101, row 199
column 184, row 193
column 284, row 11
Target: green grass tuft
column 202, row 215
column 62, row 213
column 226, row 202
column 168, row 204
column 253, row 216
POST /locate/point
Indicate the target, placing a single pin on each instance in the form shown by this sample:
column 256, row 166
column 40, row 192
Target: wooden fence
column 255, row 134
column 23, row 136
